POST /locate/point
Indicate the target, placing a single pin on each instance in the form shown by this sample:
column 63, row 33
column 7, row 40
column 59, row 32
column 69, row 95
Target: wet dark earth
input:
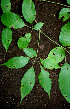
column 11, row 78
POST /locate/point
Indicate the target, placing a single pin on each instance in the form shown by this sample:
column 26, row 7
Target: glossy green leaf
column 30, row 52
column 17, row 62
column 57, row 54
column 23, row 42
column 44, row 80
column 64, row 81
column 64, row 13
column 5, row 5
column 49, row 63
column 64, row 36
column 38, row 26
column 6, row 37
column 12, row 20
column 28, row 10
column 27, row 82
column 68, row 1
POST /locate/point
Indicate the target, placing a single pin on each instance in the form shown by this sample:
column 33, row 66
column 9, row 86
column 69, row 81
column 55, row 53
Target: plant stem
column 68, row 47
column 65, row 59
column 28, row 26
column 68, row 52
column 51, row 39
column 55, row 42
column 44, row 35
column 38, row 41
column 48, row 38
column 56, row 3
column 35, row 21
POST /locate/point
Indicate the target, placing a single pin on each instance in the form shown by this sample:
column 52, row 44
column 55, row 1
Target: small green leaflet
column 64, row 13
column 30, row 52
column 6, row 37
column 28, row 37
column 12, row 20
column 17, row 62
column 38, row 26
column 27, row 82
column 64, row 36
column 23, row 42
column 68, row 1
column 49, row 63
column 57, row 54
column 5, row 5
column 64, row 81
column 28, row 10
column 44, row 80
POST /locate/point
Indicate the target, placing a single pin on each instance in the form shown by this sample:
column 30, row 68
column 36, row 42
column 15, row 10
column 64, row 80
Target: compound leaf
column 27, row 82
column 17, row 62
column 5, row 5
column 12, row 20
column 64, row 36
column 30, row 52
column 64, row 81
column 64, row 13
column 28, row 10
column 6, row 37
column 38, row 26
column 44, row 80
column 23, row 42
column 49, row 63
column 57, row 54
column 68, row 1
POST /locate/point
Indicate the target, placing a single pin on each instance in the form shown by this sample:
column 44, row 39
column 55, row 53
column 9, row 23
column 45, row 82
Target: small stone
column 0, row 60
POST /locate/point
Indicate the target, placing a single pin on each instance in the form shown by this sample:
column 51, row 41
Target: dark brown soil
column 11, row 78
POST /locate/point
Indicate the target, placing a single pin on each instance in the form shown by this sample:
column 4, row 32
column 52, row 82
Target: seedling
column 56, row 55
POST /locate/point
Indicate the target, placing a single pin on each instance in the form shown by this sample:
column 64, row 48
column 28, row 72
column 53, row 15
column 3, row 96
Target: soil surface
column 11, row 78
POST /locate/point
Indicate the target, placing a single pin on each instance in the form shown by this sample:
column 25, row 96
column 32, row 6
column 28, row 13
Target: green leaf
column 44, row 80
column 12, row 20
column 28, row 10
column 64, row 36
column 49, row 63
column 64, row 13
column 27, row 82
column 23, row 42
column 5, row 5
column 38, row 26
column 68, row 1
column 17, row 62
column 30, row 52
column 64, row 81
column 6, row 37
column 28, row 37
column 57, row 54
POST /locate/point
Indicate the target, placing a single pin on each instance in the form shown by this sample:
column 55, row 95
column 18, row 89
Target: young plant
column 56, row 55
